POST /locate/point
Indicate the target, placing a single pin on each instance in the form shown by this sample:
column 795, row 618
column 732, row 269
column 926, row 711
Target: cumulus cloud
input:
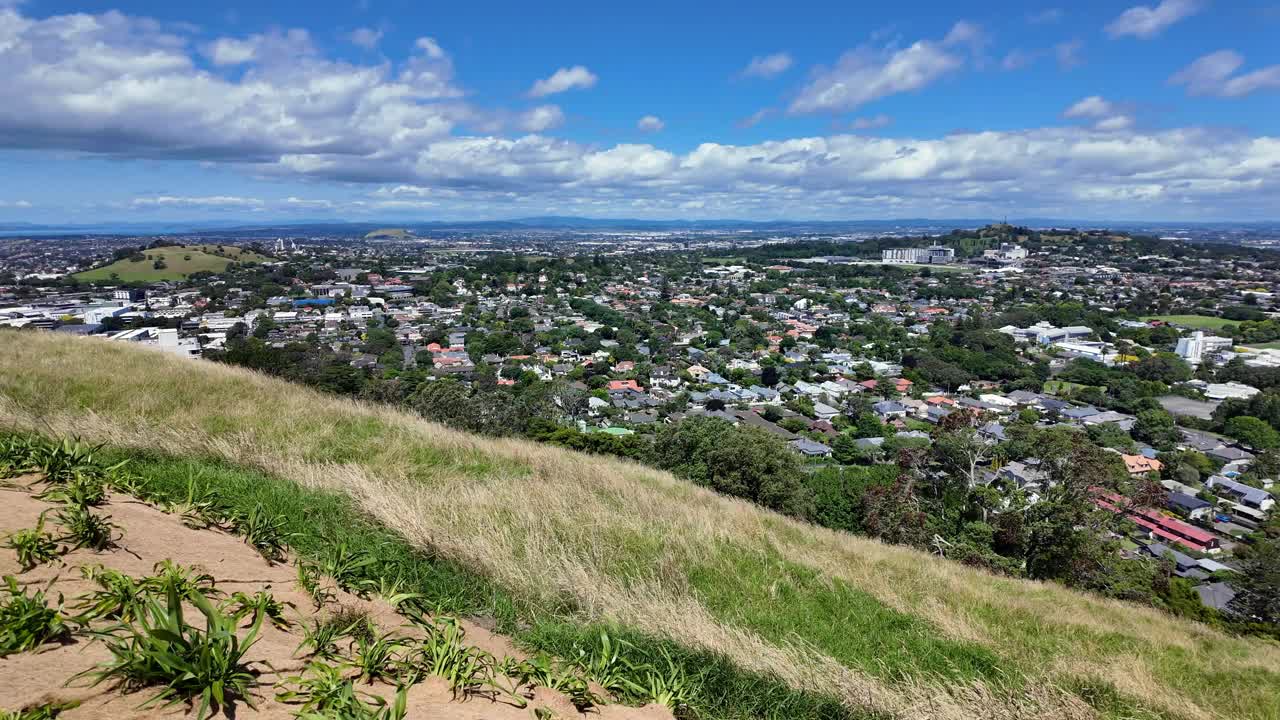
column 1145, row 21
column 1215, row 74
column 577, row 77
column 124, row 86
column 541, row 118
column 367, row 38
column 767, row 66
column 866, row 74
column 650, row 123
column 15, row 204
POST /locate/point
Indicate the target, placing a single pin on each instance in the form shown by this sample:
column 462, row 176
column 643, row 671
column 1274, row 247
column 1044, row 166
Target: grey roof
column 809, row 447
column 1187, row 502
column 1216, row 595
column 1248, row 493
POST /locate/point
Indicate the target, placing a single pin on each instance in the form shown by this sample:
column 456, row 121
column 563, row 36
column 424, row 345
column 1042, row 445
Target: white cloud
column 1144, row 21
column 208, row 201
column 1107, row 116
column 367, row 38
column 273, row 47
column 1215, row 74
column 430, row 47
column 576, row 77
column 650, row 123
column 866, row 74
column 767, row 66
column 15, row 204
column 541, row 118
column 1094, row 106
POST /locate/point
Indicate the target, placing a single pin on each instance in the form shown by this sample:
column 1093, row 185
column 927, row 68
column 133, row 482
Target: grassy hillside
column 571, row 538
column 180, row 261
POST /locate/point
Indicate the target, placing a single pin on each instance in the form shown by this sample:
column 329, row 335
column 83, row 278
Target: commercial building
column 932, row 255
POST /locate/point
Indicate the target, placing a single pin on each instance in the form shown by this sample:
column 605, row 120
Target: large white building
column 1006, row 253
column 1043, row 333
column 933, row 255
column 1192, row 349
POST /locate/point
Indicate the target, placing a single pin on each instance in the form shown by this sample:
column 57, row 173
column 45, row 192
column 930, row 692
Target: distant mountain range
column 564, row 223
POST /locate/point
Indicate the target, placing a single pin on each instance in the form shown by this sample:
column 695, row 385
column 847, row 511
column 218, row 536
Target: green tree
column 1163, row 367
column 1253, row 432
column 1258, row 584
column 745, row 462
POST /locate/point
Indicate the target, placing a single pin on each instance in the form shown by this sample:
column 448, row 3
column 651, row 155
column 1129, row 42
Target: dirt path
column 150, row 536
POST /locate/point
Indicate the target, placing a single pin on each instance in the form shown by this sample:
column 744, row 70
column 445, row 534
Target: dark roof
column 1187, row 502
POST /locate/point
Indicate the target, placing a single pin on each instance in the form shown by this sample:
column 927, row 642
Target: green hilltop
column 173, row 262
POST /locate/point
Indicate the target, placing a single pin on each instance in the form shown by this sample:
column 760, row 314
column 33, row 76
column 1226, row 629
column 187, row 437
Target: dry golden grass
column 618, row 540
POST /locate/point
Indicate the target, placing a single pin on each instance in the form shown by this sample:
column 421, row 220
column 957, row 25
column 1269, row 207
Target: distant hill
column 585, row 540
column 388, row 234
column 174, row 262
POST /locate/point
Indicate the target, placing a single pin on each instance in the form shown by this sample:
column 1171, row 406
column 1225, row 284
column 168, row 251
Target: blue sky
column 143, row 111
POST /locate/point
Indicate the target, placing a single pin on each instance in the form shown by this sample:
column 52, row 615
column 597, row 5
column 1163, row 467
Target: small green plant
column 444, row 654
column 311, row 580
column 377, row 657
column 668, row 686
column 348, row 567
column 321, row 637
column 159, row 648
column 391, row 591
column 116, row 597
column 17, row 455
column 200, row 507
column 263, row 532
column 86, row 529
column 44, row 711
column 85, row 490
column 605, row 666
column 34, row 546
column 61, row 462
column 542, row 671
column 185, row 579
column 242, row 605
column 324, row 693
column 27, row 621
